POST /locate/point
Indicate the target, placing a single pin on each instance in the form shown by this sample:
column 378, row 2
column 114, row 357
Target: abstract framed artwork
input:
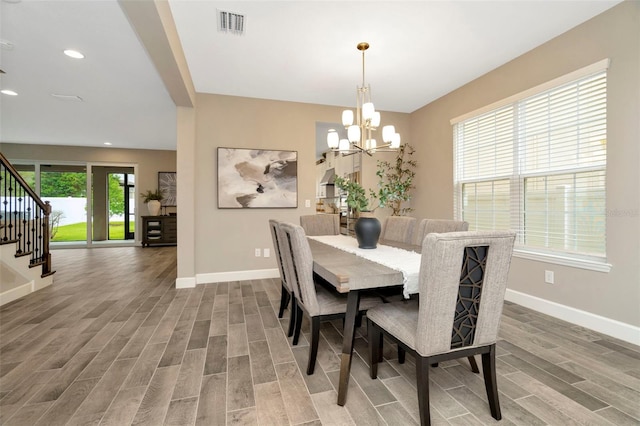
column 257, row 178
column 167, row 186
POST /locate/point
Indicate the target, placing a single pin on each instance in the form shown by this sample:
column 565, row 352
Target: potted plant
column 152, row 200
column 395, row 179
column 367, row 226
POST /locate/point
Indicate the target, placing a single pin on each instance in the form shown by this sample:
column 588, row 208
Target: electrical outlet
column 266, row 252
column 257, row 252
column 548, row 277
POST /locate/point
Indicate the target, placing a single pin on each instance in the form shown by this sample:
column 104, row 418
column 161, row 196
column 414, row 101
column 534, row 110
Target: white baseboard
column 218, row 277
column 16, row 293
column 188, row 282
column 613, row 328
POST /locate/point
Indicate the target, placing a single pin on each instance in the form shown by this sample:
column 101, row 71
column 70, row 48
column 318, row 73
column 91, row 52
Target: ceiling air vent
column 230, row 22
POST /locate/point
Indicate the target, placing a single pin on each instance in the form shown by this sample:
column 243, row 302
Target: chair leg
column 296, row 332
column 401, row 355
column 375, row 341
column 284, row 300
column 313, row 349
column 422, row 375
column 474, row 365
column 292, row 318
column 358, row 320
column 490, row 383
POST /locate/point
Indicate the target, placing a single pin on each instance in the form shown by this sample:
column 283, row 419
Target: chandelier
column 359, row 134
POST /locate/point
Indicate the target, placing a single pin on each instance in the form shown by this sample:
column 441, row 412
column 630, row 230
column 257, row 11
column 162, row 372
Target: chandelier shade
column 361, row 125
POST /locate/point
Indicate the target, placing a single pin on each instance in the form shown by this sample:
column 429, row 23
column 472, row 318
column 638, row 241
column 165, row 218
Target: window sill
column 592, row 265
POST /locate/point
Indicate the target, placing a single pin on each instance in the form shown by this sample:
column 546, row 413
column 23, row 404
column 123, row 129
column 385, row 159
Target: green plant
column 356, row 195
column 395, row 180
column 151, row 195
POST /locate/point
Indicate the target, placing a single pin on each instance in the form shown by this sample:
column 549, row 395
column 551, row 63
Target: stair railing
column 24, row 218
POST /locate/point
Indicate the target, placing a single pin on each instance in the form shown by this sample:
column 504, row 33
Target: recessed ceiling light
column 8, row 92
column 108, row 143
column 73, row 54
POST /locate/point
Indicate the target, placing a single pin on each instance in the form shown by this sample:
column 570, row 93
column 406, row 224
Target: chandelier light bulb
column 353, row 133
column 387, row 133
column 368, row 111
column 344, row 145
column 371, row 144
column 347, row 118
column 375, row 120
column 332, row 139
column 395, row 141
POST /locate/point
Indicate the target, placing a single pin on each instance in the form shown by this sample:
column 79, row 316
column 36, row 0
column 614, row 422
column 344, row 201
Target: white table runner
column 405, row 261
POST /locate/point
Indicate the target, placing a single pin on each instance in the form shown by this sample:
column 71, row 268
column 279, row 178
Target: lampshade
column 387, row 133
column 344, row 145
column 371, row 144
column 353, row 133
column 332, row 139
column 347, row 118
column 395, row 141
column 368, row 110
column 375, row 121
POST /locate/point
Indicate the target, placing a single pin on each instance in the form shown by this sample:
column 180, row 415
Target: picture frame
column 167, row 184
column 257, row 178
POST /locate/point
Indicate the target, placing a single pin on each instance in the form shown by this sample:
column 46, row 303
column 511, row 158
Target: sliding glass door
column 91, row 203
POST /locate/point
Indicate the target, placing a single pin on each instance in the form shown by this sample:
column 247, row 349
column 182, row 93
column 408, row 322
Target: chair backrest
column 299, row 260
column 427, row 226
column 463, row 279
column 274, row 226
column 398, row 228
column 320, row 224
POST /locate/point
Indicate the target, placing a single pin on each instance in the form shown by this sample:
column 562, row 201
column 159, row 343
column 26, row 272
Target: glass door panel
column 110, row 203
column 65, row 187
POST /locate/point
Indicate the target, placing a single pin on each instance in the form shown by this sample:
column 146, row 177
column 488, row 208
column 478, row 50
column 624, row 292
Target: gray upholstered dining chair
column 320, row 224
column 463, row 279
column 398, row 228
column 311, row 298
column 427, row 226
column 287, row 290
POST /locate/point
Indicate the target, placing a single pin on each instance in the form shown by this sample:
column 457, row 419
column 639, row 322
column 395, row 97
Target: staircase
column 25, row 259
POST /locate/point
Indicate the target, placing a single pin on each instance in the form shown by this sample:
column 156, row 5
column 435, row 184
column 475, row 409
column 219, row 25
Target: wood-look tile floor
column 112, row 342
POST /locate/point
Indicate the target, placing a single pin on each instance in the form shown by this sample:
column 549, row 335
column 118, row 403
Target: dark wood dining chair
column 463, row 279
column 312, row 298
column 286, row 289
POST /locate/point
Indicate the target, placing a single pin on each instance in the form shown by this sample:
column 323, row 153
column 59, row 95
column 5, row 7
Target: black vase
column 367, row 231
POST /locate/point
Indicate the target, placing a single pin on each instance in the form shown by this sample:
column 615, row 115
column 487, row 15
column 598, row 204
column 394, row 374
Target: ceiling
column 303, row 51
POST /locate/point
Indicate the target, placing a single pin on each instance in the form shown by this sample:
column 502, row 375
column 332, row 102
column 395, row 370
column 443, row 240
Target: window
column 536, row 163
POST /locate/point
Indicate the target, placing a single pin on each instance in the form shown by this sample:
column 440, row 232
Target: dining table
column 339, row 261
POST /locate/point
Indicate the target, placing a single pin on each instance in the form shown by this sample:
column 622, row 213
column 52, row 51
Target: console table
column 159, row 230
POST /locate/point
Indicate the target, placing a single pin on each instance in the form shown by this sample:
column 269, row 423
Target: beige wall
column 226, row 238
column 149, row 162
column 616, row 35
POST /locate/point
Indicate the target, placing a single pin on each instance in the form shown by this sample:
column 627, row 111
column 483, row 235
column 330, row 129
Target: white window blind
column 537, row 165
